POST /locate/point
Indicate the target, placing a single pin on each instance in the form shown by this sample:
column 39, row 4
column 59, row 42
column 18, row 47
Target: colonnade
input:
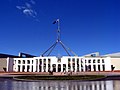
column 64, row 65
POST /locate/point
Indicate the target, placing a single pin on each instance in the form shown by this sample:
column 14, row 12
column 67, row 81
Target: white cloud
column 28, row 10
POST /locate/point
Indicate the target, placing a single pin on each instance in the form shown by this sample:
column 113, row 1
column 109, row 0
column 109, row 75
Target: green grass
column 78, row 77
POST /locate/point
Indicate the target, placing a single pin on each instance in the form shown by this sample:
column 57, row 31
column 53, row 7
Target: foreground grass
column 78, row 77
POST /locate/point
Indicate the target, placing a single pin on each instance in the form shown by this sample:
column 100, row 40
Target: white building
column 63, row 64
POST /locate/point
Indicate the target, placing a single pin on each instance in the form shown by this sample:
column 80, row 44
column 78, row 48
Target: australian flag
column 56, row 21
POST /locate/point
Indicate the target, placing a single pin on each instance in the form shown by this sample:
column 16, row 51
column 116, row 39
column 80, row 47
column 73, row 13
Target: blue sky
column 86, row 26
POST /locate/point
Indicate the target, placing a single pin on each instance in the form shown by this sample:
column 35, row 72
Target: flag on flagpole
column 56, row 21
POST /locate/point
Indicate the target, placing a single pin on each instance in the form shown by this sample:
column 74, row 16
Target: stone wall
column 3, row 64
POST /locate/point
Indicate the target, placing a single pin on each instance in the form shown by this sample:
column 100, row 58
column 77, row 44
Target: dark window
column 94, row 67
column 98, row 67
column 28, row 61
column 89, row 61
column 103, row 67
column 103, row 61
column 98, row 60
column 23, row 61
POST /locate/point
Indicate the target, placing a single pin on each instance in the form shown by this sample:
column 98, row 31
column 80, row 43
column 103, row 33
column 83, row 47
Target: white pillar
column 91, row 65
column 61, row 67
column 56, row 67
column 38, row 65
column 96, row 67
column 83, row 65
column 25, row 70
column 42, row 67
column 30, row 69
column 75, row 64
column 67, row 67
column 46, row 65
column 34, row 65
column 71, row 64
column 79, row 64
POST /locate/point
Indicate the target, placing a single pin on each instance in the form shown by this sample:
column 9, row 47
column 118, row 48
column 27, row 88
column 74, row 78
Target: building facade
column 63, row 64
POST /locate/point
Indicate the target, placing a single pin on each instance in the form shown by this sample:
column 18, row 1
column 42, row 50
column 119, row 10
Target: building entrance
column 54, row 67
column 59, row 67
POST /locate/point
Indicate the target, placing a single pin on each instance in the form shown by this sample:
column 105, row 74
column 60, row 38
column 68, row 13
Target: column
column 38, row 65
column 42, row 67
column 67, row 67
column 101, row 68
column 83, row 65
column 46, row 65
column 34, row 65
column 71, row 64
column 96, row 67
column 25, row 66
column 56, row 67
column 80, row 65
column 61, row 67
column 75, row 64
column 91, row 65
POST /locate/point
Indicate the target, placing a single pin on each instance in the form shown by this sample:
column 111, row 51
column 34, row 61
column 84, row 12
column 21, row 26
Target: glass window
column 78, row 61
column 103, row 61
column 44, row 60
column 89, row 61
column 68, row 60
column 73, row 59
column 93, row 60
column 28, row 61
column 23, row 61
column 98, row 60
column 49, row 61
column 19, row 62
column 59, row 60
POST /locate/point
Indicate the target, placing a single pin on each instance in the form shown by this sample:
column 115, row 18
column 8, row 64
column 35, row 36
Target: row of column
column 38, row 65
column 93, row 66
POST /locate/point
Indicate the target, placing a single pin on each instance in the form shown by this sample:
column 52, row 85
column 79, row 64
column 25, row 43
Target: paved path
column 15, row 74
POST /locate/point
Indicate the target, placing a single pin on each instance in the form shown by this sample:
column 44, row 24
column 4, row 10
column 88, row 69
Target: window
column 103, row 61
column 40, row 61
column 98, row 67
column 32, row 61
column 28, row 61
column 44, row 60
column 94, row 61
column 19, row 62
column 59, row 60
column 73, row 60
column 103, row 66
column 78, row 61
column 94, row 67
column 68, row 60
column 23, row 61
column 98, row 60
column 89, row 61
column 49, row 61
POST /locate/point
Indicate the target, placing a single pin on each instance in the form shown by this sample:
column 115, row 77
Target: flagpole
column 58, row 29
